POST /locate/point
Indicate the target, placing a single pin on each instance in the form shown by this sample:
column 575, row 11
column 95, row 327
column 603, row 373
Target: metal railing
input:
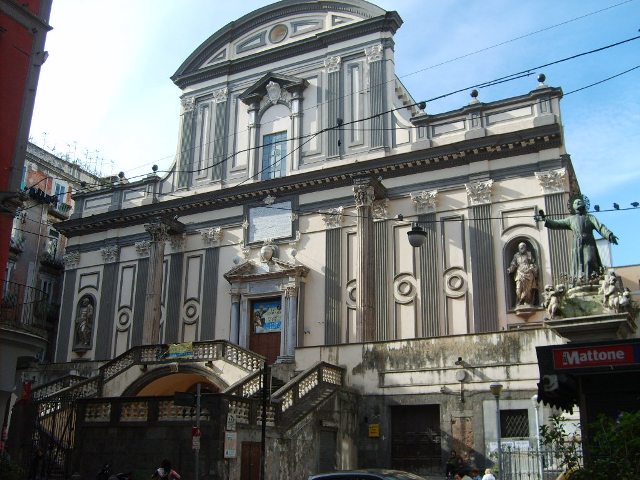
column 24, row 307
column 534, row 464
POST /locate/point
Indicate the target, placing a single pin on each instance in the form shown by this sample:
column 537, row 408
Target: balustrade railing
column 295, row 390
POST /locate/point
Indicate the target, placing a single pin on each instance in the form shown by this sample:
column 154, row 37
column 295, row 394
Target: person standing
column 165, row 472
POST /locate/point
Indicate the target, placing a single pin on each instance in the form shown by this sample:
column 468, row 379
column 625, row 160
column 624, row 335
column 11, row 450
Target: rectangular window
column 60, row 192
column 274, row 151
column 514, row 423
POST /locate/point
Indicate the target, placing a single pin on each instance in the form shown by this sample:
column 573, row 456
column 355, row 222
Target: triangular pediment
column 261, row 88
column 276, row 268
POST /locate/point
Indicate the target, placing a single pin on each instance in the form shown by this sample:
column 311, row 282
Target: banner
column 267, row 315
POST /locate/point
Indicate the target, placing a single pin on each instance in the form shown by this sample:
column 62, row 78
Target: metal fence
column 24, row 307
column 534, row 464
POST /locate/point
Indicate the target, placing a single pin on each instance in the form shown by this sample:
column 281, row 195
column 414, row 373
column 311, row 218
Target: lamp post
column 496, row 390
column 536, row 406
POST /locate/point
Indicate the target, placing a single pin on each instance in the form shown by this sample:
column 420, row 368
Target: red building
column 23, row 30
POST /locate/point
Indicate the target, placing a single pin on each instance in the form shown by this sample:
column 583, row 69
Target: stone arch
column 163, row 381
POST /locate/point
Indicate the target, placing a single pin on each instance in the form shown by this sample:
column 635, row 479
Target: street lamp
column 417, row 236
column 536, row 406
column 496, row 390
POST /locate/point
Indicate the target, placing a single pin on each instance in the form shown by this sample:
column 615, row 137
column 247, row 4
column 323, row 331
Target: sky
column 105, row 96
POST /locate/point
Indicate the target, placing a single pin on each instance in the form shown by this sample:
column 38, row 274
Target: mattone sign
column 596, row 356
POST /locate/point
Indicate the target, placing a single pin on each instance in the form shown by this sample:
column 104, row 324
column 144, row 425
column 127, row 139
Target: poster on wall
column 267, row 315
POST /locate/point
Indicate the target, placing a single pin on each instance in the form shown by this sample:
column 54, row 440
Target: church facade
column 282, row 232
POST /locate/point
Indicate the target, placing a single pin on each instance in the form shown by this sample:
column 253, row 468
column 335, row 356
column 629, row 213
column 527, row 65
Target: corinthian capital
column 374, row 53
column 332, row 64
column 552, row 181
column 479, row 193
column 364, row 195
column 159, row 231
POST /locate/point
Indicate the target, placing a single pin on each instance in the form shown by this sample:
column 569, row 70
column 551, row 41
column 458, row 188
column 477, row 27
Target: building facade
column 281, row 233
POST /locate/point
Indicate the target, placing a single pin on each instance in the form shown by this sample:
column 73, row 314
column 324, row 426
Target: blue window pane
column 274, row 152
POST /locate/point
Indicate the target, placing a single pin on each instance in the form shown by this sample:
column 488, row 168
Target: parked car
column 367, row 474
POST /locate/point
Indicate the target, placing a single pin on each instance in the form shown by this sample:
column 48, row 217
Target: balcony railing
column 24, row 307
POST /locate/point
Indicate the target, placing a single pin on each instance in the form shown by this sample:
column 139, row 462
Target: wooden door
column 250, row 461
column 416, row 438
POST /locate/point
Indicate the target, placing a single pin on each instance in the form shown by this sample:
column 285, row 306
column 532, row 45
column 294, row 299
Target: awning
column 562, row 365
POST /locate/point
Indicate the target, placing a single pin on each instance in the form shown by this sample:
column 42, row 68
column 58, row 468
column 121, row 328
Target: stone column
column 153, row 299
column 364, row 195
column 291, row 297
column 234, row 334
column 186, row 143
column 219, row 133
column 334, row 105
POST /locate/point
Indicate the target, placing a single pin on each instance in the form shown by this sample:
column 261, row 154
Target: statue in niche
column 525, row 271
column 586, row 261
column 84, row 323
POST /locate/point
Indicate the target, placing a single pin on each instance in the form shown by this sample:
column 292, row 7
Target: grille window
column 514, row 423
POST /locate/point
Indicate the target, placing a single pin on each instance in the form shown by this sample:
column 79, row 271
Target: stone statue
column 526, row 275
column 551, row 301
column 84, row 323
column 585, row 259
column 610, row 292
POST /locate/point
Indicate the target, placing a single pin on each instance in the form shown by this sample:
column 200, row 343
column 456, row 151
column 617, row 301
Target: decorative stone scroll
column 332, row 64
column 212, row 236
column 333, row 217
column 374, row 53
column 552, row 181
column 220, row 95
column 381, row 209
column 425, row 201
column 71, row 260
column 142, row 248
column 110, row 254
column 188, row 104
column 479, row 193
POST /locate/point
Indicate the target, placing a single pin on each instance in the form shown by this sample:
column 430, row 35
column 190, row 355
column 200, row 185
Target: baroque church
column 324, row 237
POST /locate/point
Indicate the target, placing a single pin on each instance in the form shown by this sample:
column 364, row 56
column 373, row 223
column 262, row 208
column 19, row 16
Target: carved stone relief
column 381, row 209
column 332, row 64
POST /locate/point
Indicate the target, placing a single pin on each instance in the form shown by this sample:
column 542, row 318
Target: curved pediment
column 274, row 26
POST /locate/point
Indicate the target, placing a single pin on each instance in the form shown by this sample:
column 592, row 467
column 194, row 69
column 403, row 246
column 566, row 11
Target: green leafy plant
column 614, row 447
column 566, row 448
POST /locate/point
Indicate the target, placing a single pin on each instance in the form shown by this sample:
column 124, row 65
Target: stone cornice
column 422, row 160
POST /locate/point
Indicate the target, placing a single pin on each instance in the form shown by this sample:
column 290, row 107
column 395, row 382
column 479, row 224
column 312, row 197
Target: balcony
column 24, row 308
column 60, row 210
column 52, row 261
